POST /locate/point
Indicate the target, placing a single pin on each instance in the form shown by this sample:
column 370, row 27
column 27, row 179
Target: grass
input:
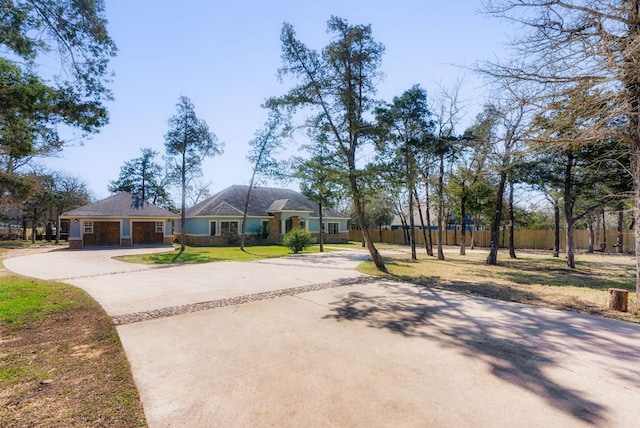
column 62, row 363
column 24, row 301
column 531, row 278
column 216, row 254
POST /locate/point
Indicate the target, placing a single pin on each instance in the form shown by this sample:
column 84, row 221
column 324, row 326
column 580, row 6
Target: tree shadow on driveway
column 519, row 343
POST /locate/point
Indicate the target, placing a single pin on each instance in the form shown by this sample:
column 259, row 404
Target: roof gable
column 122, row 204
column 264, row 201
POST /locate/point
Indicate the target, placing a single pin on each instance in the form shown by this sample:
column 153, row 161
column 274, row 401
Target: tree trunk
column 427, row 210
column 375, row 255
column 243, row 227
column 598, row 240
column 412, row 228
column 403, row 223
column 604, row 231
column 440, row 207
column 556, row 231
column 512, row 245
column 568, row 210
column 321, row 234
column 424, row 232
column 635, row 168
column 492, row 258
column 472, row 245
column 34, row 225
column 619, row 243
column 58, row 227
column 592, row 238
column 463, row 221
column 183, row 214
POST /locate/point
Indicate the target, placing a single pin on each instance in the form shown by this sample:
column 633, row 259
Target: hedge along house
column 272, row 213
column 119, row 220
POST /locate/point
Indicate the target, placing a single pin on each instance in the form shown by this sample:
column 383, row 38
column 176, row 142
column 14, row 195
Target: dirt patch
column 67, row 370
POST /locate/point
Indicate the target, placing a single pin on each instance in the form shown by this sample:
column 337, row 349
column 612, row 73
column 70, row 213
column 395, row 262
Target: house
column 119, row 220
column 272, row 212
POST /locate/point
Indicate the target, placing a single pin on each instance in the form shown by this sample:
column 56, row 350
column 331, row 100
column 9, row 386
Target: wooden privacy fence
column 524, row 238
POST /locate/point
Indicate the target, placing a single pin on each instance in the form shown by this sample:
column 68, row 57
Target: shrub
column 297, row 240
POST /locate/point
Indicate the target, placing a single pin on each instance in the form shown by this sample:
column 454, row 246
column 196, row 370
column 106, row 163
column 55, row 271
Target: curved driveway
column 307, row 341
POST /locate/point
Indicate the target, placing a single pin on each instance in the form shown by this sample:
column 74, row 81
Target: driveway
column 307, row 341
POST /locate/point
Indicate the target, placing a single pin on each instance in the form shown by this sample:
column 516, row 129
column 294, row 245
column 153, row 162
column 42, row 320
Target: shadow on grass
column 546, row 271
column 516, row 342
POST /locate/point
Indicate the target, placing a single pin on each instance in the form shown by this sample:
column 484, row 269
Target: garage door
column 144, row 232
column 104, row 233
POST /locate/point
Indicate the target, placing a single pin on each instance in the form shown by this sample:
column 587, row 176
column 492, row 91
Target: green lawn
column 216, row 254
column 24, row 300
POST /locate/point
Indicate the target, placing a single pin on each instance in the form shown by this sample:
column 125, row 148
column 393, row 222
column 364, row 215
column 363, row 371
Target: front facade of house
column 272, row 212
column 119, row 220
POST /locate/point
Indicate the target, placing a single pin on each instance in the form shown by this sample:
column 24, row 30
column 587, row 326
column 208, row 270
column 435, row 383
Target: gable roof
column 122, row 204
column 264, row 201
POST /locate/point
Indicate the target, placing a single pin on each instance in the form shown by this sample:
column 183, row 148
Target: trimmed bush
column 297, row 240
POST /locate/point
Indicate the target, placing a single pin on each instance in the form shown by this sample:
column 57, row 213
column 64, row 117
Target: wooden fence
column 524, row 239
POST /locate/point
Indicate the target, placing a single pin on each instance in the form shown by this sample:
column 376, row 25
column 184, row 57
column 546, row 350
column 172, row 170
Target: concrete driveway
column 307, row 341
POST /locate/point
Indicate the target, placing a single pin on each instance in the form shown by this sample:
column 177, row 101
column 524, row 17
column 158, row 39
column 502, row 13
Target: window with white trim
column 212, row 228
column 88, row 227
column 333, row 228
column 229, row 228
column 159, row 226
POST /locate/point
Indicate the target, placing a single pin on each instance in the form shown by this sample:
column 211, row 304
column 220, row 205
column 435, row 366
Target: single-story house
column 272, row 212
column 119, row 220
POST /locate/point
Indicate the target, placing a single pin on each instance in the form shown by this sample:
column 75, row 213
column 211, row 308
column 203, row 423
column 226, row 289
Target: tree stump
column 618, row 299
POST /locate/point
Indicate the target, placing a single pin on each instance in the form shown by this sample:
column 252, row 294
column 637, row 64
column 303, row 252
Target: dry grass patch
column 531, row 279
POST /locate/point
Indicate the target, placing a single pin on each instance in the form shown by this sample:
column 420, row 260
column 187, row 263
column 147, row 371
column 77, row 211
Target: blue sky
column 225, row 55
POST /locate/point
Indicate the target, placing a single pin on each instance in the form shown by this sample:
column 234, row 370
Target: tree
column 68, row 192
column 442, row 147
column 382, row 213
column 319, row 180
column 502, row 126
column 468, row 175
column 188, row 142
column 581, row 172
column 587, row 45
column 197, row 191
column 263, row 147
column 337, row 86
column 404, row 125
column 144, row 179
column 66, row 36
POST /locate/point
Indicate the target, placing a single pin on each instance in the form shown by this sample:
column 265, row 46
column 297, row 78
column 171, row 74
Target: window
column 212, row 228
column 333, row 228
column 264, row 229
column 302, row 224
column 229, row 228
column 88, row 227
column 159, row 227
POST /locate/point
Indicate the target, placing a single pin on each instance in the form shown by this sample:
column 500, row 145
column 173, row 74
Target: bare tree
column 263, row 145
column 447, row 110
column 588, row 45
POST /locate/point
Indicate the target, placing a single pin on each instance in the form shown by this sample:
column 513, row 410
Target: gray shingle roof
column 121, row 204
column 263, row 202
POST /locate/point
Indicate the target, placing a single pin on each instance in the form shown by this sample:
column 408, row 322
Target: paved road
column 353, row 352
